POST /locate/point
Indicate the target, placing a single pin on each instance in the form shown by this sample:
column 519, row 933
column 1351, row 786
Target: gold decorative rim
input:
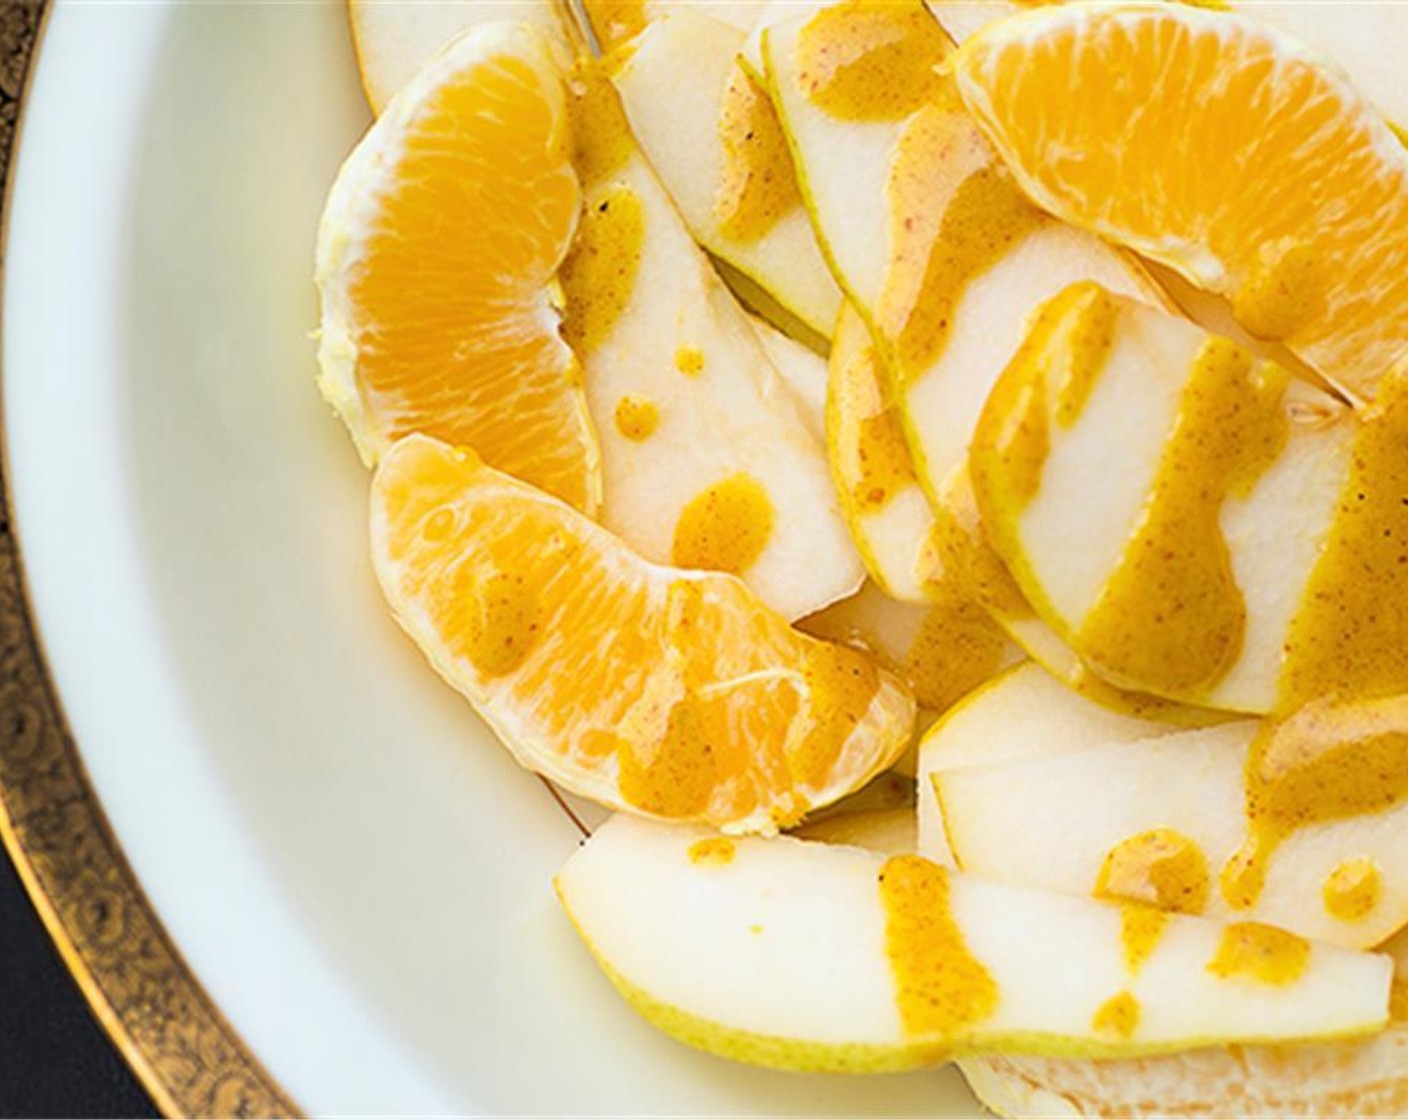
column 182, row 1050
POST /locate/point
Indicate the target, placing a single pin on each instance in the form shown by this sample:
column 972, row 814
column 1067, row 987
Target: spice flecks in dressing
column 983, row 219
column 725, row 527
column 1352, row 890
column 941, row 988
column 1265, row 954
column 1171, row 616
column 1141, row 929
column 599, row 274
column 502, row 620
column 1285, row 289
column 1117, row 1016
column 637, row 417
column 1161, row 867
column 871, row 60
column 1323, row 762
column 958, row 647
column 716, row 851
column 758, row 187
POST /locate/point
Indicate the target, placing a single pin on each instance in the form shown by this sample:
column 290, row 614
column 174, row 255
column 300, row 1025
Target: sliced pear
column 819, row 957
column 707, row 456
column 942, row 650
column 802, row 368
column 1365, row 40
column 395, row 38
column 615, row 22
column 1024, row 714
column 1159, row 819
column 711, row 134
column 884, row 505
column 1361, row 1078
column 879, row 817
column 1160, row 496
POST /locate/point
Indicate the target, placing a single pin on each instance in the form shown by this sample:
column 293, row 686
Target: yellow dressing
column 1398, row 1001
column 758, row 187
column 1171, row 616
column 1285, row 289
column 984, row 219
column 637, row 417
column 1265, row 954
column 1323, row 762
column 602, row 143
column 689, row 360
column 615, row 21
column 871, row 60
column 941, row 989
column 841, row 683
column 1352, row 890
column 726, row 527
column 1118, row 1016
column 714, row 850
column 1062, row 356
column 1141, row 929
column 884, row 466
column 958, row 552
column 677, row 780
column 502, row 620
column 958, row 647
column 599, row 274
column 1161, row 867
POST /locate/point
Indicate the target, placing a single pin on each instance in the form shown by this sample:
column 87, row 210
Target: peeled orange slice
column 436, row 251
column 675, row 694
column 1225, row 150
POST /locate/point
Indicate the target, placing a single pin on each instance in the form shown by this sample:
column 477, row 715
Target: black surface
column 55, row 1059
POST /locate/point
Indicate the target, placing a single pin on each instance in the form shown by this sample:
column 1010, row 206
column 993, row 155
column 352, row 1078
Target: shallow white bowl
column 356, row 871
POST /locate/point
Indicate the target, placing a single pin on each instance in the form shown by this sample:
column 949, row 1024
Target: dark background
column 55, row 1060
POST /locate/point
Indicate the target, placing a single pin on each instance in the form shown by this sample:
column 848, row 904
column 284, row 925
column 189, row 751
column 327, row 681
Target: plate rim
column 178, row 1044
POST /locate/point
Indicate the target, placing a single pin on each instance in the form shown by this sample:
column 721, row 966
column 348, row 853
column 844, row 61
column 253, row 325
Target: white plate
column 355, row 870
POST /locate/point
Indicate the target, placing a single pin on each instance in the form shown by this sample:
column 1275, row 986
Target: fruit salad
column 937, row 474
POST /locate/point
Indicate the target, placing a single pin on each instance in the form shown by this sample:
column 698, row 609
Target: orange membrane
column 1352, row 890
column 637, row 417
column 1337, row 746
column 759, row 185
column 941, row 988
column 871, row 60
column 1161, row 867
column 983, row 220
column 1266, row 954
column 1171, row 616
column 725, row 527
column 1118, row 1016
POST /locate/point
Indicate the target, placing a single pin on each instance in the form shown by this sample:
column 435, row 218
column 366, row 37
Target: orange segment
column 439, row 243
column 671, row 693
column 1223, row 150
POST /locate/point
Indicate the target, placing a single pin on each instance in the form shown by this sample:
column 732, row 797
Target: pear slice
column 1362, row 1078
column 616, row 22
column 942, row 650
column 1160, row 496
column 395, row 38
column 819, row 957
column 707, row 456
column 1024, row 714
column 884, row 505
column 878, row 817
column 1363, row 40
column 1158, row 819
column 712, row 136
column 803, row 370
